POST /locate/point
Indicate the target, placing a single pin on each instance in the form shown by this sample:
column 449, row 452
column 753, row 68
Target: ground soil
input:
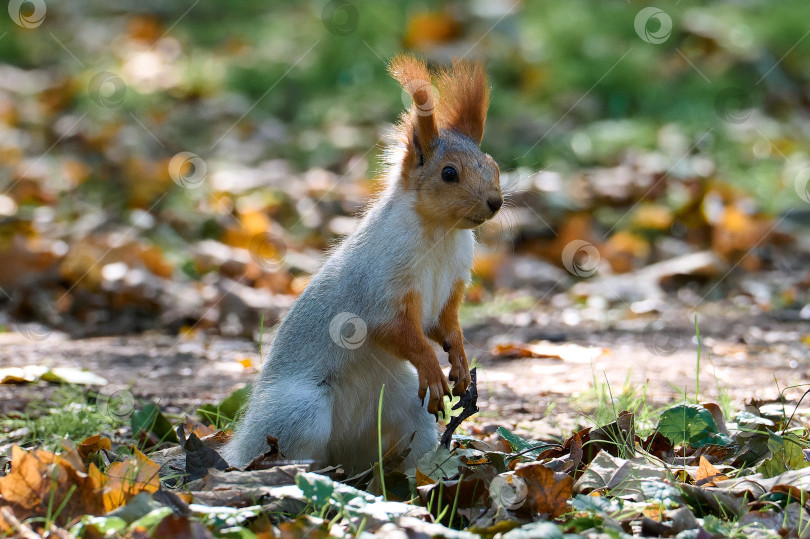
column 745, row 354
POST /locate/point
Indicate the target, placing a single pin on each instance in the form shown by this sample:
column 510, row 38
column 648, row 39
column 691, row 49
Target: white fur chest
column 391, row 254
column 445, row 259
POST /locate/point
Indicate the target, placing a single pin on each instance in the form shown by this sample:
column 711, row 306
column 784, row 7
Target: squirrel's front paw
column 433, row 378
column 459, row 372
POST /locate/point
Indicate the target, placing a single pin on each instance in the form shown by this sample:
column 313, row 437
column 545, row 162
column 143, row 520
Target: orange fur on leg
column 404, row 338
column 448, row 334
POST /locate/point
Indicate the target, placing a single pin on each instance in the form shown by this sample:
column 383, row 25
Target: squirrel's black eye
column 449, row 174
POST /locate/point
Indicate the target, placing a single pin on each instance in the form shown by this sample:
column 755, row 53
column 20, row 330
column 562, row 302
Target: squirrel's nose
column 495, row 204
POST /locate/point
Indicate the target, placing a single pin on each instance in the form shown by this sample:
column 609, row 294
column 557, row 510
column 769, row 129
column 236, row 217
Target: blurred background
column 182, row 166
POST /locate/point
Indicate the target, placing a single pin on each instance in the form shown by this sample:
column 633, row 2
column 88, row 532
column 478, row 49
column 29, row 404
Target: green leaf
column 661, row 492
column 226, row 411
column 236, row 532
column 692, row 425
column 519, row 444
column 152, row 518
column 786, row 454
column 100, row 525
column 316, row 488
column 439, row 463
column 748, row 419
column 150, row 419
column 137, row 507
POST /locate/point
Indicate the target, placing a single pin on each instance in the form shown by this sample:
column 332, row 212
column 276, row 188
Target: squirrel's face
column 458, row 186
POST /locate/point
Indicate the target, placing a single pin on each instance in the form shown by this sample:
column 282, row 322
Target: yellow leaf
column 127, row 479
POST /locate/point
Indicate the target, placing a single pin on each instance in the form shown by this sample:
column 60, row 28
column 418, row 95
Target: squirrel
column 367, row 317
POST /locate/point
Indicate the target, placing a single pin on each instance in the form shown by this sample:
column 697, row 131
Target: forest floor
column 745, row 356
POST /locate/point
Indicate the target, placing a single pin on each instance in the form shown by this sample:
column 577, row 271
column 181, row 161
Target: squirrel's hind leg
column 298, row 415
column 405, row 415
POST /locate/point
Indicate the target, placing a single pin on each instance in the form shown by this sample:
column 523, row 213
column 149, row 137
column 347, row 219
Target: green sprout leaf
column 691, row 424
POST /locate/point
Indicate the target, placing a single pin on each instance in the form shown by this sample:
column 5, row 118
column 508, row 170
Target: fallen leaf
column 70, row 375
column 21, row 375
column 622, row 477
column 202, row 431
column 548, row 491
column 199, row 457
column 569, row 352
column 422, row 479
column 93, row 444
column 41, row 479
column 708, row 474
column 246, row 362
column 127, row 479
column 690, row 424
column 467, row 491
column 617, row 438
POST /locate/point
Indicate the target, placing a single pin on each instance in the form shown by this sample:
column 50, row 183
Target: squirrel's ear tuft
column 464, row 95
column 414, row 77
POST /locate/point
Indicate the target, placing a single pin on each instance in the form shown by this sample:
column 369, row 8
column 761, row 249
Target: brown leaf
column 717, row 415
column 548, row 491
column 574, row 443
column 28, row 481
column 465, row 492
column 174, row 526
column 93, row 444
column 617, row 438
column 658, row 445
column 268, row 459
column 422, row 479
column 40, row 478
column 708, row 474
column 191, row 425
